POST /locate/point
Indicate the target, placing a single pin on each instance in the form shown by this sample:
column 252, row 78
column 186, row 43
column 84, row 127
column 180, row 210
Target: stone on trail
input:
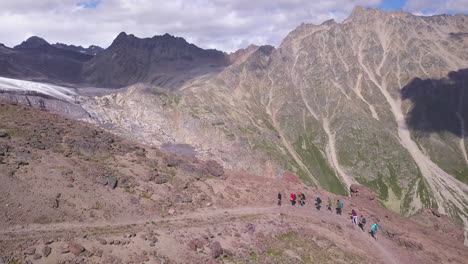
column 102, row 241
column 37, row 256
column 3, row 134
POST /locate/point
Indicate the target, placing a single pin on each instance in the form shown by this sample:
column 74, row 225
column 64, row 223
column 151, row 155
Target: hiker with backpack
column 330, row 204
column 354, row 217
column 373, row 230
column 339, row 207
column 318, row 202
column 362, row 223
column 293, row 199
column 279, row 198
column 301, row 200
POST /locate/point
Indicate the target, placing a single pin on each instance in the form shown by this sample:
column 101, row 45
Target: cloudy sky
column 222, row 24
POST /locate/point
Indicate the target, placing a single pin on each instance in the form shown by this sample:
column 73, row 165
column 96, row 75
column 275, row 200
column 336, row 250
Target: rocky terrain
column 73, row 193
column 377, row 100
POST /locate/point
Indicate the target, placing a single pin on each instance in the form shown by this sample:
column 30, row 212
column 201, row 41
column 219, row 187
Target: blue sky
column 388, row 5
column 89, row 4
column 221, row 24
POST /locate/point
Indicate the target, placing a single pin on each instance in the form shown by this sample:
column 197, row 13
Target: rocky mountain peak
column 32, row 43
column 360, row 13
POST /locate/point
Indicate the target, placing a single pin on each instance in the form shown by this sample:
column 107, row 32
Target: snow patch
column 58, row 92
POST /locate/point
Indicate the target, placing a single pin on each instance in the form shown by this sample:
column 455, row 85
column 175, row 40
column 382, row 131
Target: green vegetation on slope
column 318, row 165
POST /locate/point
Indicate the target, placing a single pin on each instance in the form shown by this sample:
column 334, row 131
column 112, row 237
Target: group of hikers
column 300, row 199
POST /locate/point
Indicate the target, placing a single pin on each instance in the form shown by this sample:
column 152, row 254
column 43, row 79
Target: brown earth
column 73, row 193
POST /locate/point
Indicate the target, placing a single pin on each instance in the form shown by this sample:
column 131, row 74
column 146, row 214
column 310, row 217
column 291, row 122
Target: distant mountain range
column 162, row 60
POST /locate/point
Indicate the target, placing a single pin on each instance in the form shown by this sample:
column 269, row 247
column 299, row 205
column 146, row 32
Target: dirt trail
column 317, row 218
column 202, row 215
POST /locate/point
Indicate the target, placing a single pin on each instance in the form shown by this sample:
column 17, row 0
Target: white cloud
column 425, row 7
column 223, row 24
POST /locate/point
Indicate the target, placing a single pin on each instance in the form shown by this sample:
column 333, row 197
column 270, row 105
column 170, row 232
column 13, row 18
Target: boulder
column 216, row 250
column 161, row 180
column 75, row 248
column 37, row 256
column 112, row 182
column 46, row 251
column 3, row 134
column 104, row 181
column 101, row 241
column 214, row 168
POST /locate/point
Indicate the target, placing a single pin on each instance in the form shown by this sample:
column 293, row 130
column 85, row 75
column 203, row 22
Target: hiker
column 330, row 204
column 362, row 223
column 318, row 202
column 373, row 231
column 299, row 197
column 354, row 217
column 302, row 199
column 339, row 206
column 293, row 199
column 279, row 198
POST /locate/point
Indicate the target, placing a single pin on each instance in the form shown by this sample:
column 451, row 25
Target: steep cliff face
column 335, row 103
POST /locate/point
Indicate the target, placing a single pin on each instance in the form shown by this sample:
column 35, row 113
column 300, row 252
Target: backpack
column 303, row 197
column 341, row 204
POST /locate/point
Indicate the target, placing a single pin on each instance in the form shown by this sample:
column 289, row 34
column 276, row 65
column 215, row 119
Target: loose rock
column 46, row 251
column 216, row 250
column 76, row 248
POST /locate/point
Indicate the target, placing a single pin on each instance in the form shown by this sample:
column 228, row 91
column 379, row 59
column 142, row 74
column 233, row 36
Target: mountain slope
column 333, row 103
column 74, row 193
